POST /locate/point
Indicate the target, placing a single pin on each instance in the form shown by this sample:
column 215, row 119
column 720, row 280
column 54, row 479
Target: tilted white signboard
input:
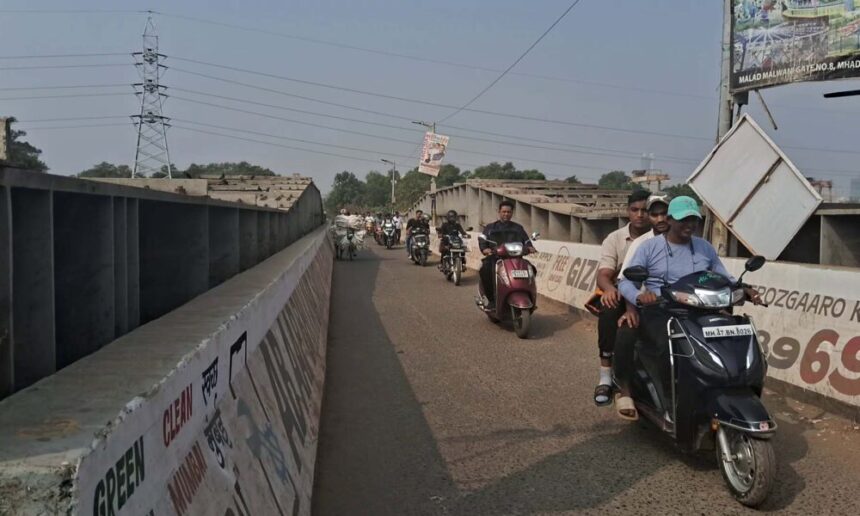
column 754, row 189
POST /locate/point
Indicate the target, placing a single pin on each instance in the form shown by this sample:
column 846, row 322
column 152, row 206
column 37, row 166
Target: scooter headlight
column 738, row 296
column 686, row 299
column 704, row 298
column 715, row 298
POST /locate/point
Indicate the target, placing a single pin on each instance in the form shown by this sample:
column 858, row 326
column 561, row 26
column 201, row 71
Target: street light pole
column 393, row 178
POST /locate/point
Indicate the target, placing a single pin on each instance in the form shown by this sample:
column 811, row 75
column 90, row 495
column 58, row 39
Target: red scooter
column 515, row 287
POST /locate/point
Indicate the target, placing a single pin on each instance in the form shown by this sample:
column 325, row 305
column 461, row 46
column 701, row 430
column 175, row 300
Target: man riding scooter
column 414, row 223
column 669, row 257
column 502, row 231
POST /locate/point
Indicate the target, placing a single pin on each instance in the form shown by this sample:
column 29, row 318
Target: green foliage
column 243, row 168
column 682, row 189
column 616, row 180
column 105, row 169
column 22, row 154
column 507, row 171
column 573, row 180
column 450, row 174
column 411, row 187
column 378, row 191
column 347, row 192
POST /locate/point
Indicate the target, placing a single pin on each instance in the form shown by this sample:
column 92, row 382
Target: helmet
column 451, row 216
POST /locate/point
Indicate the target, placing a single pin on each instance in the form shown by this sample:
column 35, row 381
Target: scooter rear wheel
column 751, row 472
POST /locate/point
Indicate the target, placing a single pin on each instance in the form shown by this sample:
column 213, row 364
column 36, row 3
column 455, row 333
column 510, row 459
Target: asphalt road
column 431, row 409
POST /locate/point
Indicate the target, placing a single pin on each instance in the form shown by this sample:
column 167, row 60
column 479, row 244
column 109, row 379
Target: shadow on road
column 376, row 454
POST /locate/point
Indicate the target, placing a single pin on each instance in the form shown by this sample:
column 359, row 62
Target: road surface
column 431, row 409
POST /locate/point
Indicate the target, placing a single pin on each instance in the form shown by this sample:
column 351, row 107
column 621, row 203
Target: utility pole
column 152, row 153
column 393, row 178
column 718, row 233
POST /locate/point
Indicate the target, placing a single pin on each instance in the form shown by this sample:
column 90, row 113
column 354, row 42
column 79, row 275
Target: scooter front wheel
column 522, row 321
column 457, row 274
column 748, row 465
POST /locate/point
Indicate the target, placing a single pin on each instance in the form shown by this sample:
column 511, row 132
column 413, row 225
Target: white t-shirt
column 631, row 250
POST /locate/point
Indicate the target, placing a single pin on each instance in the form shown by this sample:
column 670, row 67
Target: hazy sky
column 624, row 64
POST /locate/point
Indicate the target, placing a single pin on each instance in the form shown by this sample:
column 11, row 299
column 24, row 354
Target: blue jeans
column 409, row 245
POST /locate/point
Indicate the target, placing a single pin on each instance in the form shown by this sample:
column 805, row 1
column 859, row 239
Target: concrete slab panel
column 84, row 292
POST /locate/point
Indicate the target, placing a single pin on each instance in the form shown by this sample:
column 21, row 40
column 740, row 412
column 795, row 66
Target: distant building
column 854, row 190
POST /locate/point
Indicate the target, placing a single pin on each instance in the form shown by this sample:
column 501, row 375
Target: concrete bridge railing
column 83, row 263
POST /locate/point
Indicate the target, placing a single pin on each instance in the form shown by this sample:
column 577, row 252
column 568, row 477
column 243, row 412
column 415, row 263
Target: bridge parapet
column 84, row 263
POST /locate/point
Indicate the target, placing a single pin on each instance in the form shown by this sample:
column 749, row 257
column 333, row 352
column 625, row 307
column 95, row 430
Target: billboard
column 783, row 41
column 432, row 153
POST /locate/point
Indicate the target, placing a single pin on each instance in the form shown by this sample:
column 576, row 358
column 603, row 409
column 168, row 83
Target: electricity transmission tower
column 152, row 153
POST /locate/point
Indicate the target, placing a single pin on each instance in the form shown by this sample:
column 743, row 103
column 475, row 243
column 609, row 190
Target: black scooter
column 716, row 374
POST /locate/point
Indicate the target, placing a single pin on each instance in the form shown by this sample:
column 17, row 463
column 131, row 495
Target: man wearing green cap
column 670, row 257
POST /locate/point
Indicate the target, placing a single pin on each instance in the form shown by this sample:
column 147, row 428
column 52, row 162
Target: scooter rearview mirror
column 754, row 263
column 636, row 274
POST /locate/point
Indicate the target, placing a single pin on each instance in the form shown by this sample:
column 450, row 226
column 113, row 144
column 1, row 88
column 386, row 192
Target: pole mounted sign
column 432, row 153
column 784, row 41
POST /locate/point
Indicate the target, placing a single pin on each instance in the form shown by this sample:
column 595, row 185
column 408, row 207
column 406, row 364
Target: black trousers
column 488, row 270
column 622, row 362
column 607, row 328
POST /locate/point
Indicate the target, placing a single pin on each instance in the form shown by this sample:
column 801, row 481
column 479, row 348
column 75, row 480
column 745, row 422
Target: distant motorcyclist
column 451, row 225
column 414, row 223
column 398, row 225
column 502, row 231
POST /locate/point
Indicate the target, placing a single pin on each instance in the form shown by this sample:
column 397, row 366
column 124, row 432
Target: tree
column 378, row 191
column 105, row 169
column 242, row 168
column 682, row 189
column 22, row 154
column 507, row 171
column 573, row 180
column 347, row 192
column 448, row 175
column 615, row 180
column 411, row 187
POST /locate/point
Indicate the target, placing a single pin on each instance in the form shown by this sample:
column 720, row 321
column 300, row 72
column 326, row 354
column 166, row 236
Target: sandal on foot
column 625, row 408
column 603, row 395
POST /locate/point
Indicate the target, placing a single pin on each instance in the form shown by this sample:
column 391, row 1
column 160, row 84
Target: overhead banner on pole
column 432, row 153
column 783, row 41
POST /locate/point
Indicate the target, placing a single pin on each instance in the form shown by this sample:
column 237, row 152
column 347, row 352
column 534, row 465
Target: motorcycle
column 347, row 245
column 515, row 286
column 454, row 262
column 388, row 234
column 715, row 378
column 420, row 245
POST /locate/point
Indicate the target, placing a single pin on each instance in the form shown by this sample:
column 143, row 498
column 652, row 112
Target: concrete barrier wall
column 85, row 262
column 211, row 409
column 811, row 329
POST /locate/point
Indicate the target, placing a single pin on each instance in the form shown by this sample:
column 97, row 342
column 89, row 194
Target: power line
column 509, row 68
column 70, row 119
column 48, row 67
column 76, row 95
column 67, row 87
column 49, row 127
column 437, row 104
column 432, row 60
column 58, row 56
column 391, row 139
column 398, row 117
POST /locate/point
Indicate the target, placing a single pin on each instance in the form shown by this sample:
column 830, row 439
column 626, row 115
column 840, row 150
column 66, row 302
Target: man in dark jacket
column 451, row 225
column 503, row 231
column 412, row 224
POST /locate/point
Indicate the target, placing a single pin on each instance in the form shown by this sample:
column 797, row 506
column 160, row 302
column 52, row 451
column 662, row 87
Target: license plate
column 715, row 332
column 520, row 274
